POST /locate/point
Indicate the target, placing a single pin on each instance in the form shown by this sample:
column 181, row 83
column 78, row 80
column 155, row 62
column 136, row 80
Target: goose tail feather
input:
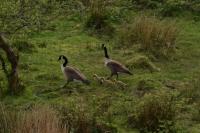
column 87, row 82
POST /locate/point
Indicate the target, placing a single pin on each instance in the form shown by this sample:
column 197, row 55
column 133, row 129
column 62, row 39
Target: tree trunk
column 13, row 78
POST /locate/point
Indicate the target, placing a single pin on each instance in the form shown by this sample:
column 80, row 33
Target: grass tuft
column 153, row 35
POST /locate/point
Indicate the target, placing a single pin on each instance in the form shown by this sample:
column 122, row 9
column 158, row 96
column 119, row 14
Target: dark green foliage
column 99, row 24
column 155, row 113
column 169, row 8
column 97, row 19
column 150, row 4
column 172, row 8
column 81, row 122
column 24, row 46
column 25, row 16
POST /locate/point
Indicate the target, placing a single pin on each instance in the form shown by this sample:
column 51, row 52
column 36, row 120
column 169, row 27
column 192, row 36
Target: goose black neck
column 66, row 61
column 106, row 53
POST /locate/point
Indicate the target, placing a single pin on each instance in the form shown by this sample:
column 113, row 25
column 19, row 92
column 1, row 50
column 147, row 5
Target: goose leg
column 117, row 76
column 110, row 76
column 68, row 81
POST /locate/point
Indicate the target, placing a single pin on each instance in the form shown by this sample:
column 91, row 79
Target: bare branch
column 4, row 67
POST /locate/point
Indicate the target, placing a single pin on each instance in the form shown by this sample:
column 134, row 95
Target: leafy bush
column 154, row 113
column 97, row 19
column 154, row 36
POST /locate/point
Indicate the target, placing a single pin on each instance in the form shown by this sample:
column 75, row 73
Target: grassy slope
column 43, row 77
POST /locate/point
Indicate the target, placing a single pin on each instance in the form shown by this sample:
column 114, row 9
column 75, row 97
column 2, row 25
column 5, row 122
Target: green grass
column 43, row 79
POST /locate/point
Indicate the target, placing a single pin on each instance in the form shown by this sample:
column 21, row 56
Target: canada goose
column 70, row 73
column 113, row 65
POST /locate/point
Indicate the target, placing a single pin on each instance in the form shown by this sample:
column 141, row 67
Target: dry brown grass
column 37, row 120
column 153, row 35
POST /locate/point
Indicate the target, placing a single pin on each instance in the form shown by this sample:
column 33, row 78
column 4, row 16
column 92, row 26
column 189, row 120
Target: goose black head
column 64, row 58
column 105, row 51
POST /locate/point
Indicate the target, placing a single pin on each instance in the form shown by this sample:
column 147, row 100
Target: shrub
column 154, row 113
column 154, row 36
column 80, row 121
column 97, row 19
column 172, row 8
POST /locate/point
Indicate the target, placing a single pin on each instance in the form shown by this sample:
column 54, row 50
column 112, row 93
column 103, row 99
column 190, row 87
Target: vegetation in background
column 153, row 35
column 155, row 113
column 169, row 8
column 97, row 19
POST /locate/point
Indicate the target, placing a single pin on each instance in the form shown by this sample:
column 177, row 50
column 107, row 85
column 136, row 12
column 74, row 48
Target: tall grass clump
column 97, row 18
column 154, row 113
column 36, row 120
column 49, row 119
column 153, row 35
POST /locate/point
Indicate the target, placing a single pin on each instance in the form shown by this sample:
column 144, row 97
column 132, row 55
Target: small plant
column 154, row 113
column 153, row 35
